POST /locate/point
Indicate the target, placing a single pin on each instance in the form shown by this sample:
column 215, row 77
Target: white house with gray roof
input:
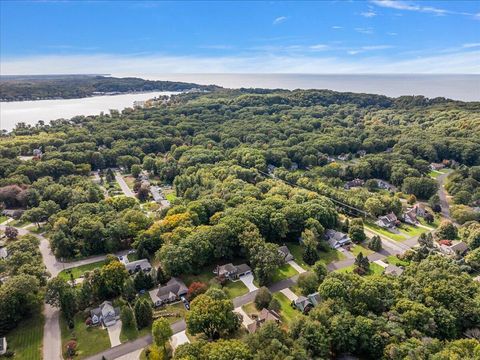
column 172, row 291
column 105, row 313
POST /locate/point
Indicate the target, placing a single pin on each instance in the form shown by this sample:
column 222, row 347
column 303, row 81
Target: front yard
column 391, row 235
column 326, row 257
column 284, row 272
column 392, row 259
column 374, row 269
column 235, row 289
column 177, row 311
column 26, row 339
column 359, row 248
column 90, row 340
column 80, row 270
column 411, row 231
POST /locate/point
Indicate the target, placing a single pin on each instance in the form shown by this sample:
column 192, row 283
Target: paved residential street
column 443, row 196
column 52, row 340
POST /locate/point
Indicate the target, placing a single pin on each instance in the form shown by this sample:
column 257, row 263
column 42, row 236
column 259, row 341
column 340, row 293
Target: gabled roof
column 143, row 264
column 459, row 247
column 174, row 286
column 243, row 268
column 266, row 315
column 393, row 270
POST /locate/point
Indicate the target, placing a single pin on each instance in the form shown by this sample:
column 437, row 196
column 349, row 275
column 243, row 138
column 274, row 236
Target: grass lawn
column 357, row 249
column 3, row 218
column 235, row 288
column 287, row 313
column 18, row 223
column 170, row 196
column 177, row 310
column 385, row 232
column 90, row 340
column 284, row 272
column 374, row 269
column 250, row 308
column 132, row 333
column 330, row 256
column 411, row 231
column 26, row 339
column 325, row 256
column 130, row 180
column 434, row 174
column 392, row 259
column 80, row 270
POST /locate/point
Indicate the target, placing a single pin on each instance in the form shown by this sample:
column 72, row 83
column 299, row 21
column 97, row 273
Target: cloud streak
column 465, row 61
column 279, row 20
column 410, row 6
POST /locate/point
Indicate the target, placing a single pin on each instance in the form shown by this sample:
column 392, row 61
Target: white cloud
column 368, row 14
column 368, row 48
column 319, row 47
column 461, row 62
column 471, row 45
column 362, row 30
column 411, row 6
column 392, row 33
column 336, row 27
column 279, row 20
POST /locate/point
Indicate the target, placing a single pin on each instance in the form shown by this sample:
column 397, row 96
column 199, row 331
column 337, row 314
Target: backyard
column 90, row 340
column 26, row 339
column 287, row 312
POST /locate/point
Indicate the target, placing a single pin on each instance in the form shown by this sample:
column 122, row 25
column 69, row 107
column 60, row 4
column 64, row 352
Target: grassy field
column 250, row 308
column 357, row 249
column 392, row 259
column 385, row 232
column 130, row 180
column 26, row 339
column 284, row 272
column 326, row 256
column 90, row 340
column 80, row 270
column 3, row 218
column 18, row 223
column 433, row 225
column 170, row 196
column 411, row 231
column 234, row 289
column 287, row 313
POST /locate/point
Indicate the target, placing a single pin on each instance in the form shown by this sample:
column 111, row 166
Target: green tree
column 375, row 243
column 143, row 312
column 263, row 297
column 308, row 283
column 161, row 332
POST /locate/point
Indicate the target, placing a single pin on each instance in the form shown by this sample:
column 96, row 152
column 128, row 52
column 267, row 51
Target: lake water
column 458, row 87
column 30, row 112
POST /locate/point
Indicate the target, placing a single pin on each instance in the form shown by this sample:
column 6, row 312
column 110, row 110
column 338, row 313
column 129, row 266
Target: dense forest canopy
column 70, row 87
column 253, row 169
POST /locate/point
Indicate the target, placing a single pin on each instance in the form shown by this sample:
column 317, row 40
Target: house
column 135, row 266
column 387, row 221
column 265, row 315
column 457, row 248
column 420, row 210
column 337, row 239
column 105, row 313
column 3, row 345
column 343, row 157
column 13, row 213
column 354, row 183
column 306, row 303
column 156, row 192
column 172, row 291
column 393, row 270
column 3, row 253
column 331, row 159
column 231, row 271
column 271, row 168
column 37, row 153
column 382, row 184
column 361, row 153
column 285, row 253
column 410, row 217
column 437, row 166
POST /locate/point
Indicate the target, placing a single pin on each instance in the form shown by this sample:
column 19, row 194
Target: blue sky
column 128, row 38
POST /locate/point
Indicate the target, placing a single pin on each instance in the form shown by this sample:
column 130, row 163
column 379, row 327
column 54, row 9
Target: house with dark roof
column 393, row 270
column 420, row 210
column 232, row 272
column 264, row 316
column 172, row 291
column 388, row 221
column 410, row 217
column 105, row 314
column 138, row 265
column 306, row 303
column 354, row 183
column 285, row 253
column 336, row 239
column 458, row 248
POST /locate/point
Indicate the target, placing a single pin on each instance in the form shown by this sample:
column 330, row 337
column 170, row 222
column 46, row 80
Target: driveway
column 246, row 320
column 52, row 343
column 297, row 267
column 114, row 333
column 289, row 294
column 248, row 281
column 123, row 185
column 134, row 355
column 179, row 339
